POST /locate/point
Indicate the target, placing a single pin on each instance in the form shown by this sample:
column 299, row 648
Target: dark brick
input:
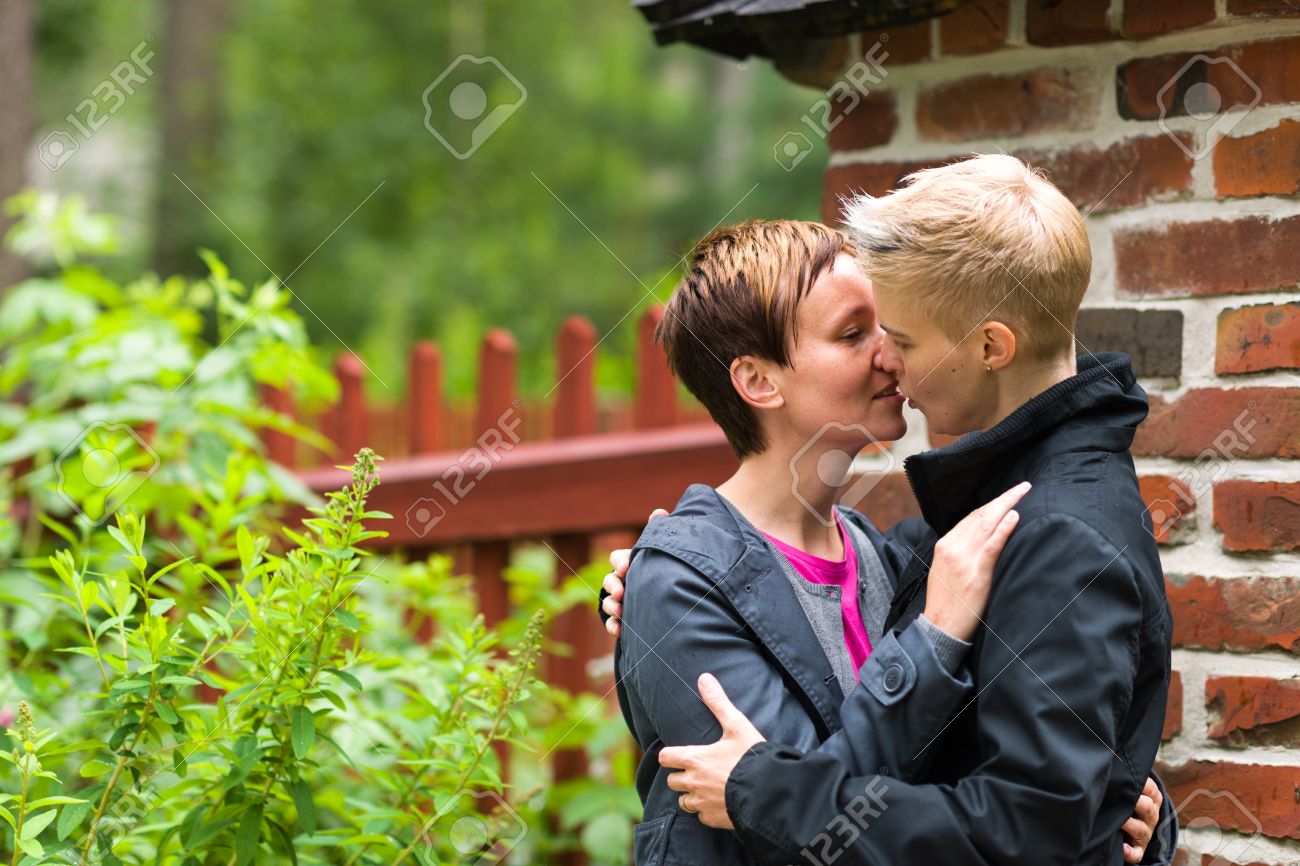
column 1067, row 22
column 868, row 123
column 1271, row 69
column 1126, row 174
column 1152, row 338
column 908, row 44
column 1008, row 106
column 1144, row 18
column 1263, row 7
column 975, row 27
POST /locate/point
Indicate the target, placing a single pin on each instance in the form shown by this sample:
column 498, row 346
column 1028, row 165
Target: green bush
column 218, row 687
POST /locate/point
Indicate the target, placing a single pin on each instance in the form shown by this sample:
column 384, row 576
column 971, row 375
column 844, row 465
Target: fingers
column 614, row 627
column 1133, row 854
column 677, row 781
column 731, row 719
column 998, row 537
column 1152, row 790
column 619, row 561
column 995, row 510
column 675, row 758
column 611, row 607
column 1148, row 813
column 1138, row 833
column 658, row 512
column 613, row 585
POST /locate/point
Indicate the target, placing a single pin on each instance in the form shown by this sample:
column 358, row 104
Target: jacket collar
column 703, row 533
column 1097, row 409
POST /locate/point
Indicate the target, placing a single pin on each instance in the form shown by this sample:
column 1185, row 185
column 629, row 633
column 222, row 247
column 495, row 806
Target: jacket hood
column 1099, row 408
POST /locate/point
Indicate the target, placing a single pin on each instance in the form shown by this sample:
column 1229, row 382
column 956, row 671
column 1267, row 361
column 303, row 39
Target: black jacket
column 705, row 594
column 1071, row 668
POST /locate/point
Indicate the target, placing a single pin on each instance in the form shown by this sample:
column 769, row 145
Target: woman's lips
column 890, row 395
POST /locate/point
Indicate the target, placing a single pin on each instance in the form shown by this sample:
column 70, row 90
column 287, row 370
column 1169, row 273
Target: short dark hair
column 739, row 297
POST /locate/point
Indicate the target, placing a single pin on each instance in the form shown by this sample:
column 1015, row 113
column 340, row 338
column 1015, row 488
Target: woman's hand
column 1142, row 826
column 613, row 583
column 961, row 574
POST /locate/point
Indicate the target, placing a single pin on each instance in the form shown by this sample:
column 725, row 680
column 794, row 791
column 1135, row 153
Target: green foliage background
column 642, row 148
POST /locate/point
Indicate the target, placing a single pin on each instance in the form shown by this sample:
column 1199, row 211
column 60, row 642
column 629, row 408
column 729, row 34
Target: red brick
column 1262, row 337
column 1173, row 707
column 1144, row 18
column 974, row 27
column 1067, row 22
column 1263, row 7
column 1122, row 175
column 908, row 44
column 872, row 178
column 992, row 106
column 1216, row 257
column 869, row 123
column 1240, row 613
column 1266, row 163
column 1258, row 515
column 1241, row 704
column 1230, row 424
column 1271, row 66
column 1171, row 505
column 1263, row 797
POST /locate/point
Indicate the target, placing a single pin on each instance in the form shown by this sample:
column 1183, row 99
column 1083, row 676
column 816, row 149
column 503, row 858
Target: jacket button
column 893, row 678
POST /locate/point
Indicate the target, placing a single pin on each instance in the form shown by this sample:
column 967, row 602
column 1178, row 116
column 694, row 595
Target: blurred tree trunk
column 192, row 79
column 16, row 122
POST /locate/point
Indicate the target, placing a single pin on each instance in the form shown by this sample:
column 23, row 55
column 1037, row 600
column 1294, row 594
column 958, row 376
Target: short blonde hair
column 740, row 296
column 988, row 238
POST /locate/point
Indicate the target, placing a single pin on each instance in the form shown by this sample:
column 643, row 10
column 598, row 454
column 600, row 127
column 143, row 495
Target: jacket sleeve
column 1054, row 666
column 907, row 693
column 677, row 625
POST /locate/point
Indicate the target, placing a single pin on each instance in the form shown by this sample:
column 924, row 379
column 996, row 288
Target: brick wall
column 1195, row 224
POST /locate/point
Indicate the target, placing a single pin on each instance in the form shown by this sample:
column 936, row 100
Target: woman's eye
column 853, row 335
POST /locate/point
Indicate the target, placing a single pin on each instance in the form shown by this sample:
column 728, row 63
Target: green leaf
column 179, row 681
column 306, row 806
column 91, row 769
column 303, row 730
column 34, row 824
column 348, row 619
column 31, row 846
column 71, row 817
column 346, row 677
column 161, row 606
column 166, row 713
column 250, row 827
column 54, row 801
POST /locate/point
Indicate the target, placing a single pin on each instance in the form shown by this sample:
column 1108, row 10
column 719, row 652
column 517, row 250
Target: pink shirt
column 843, row 574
